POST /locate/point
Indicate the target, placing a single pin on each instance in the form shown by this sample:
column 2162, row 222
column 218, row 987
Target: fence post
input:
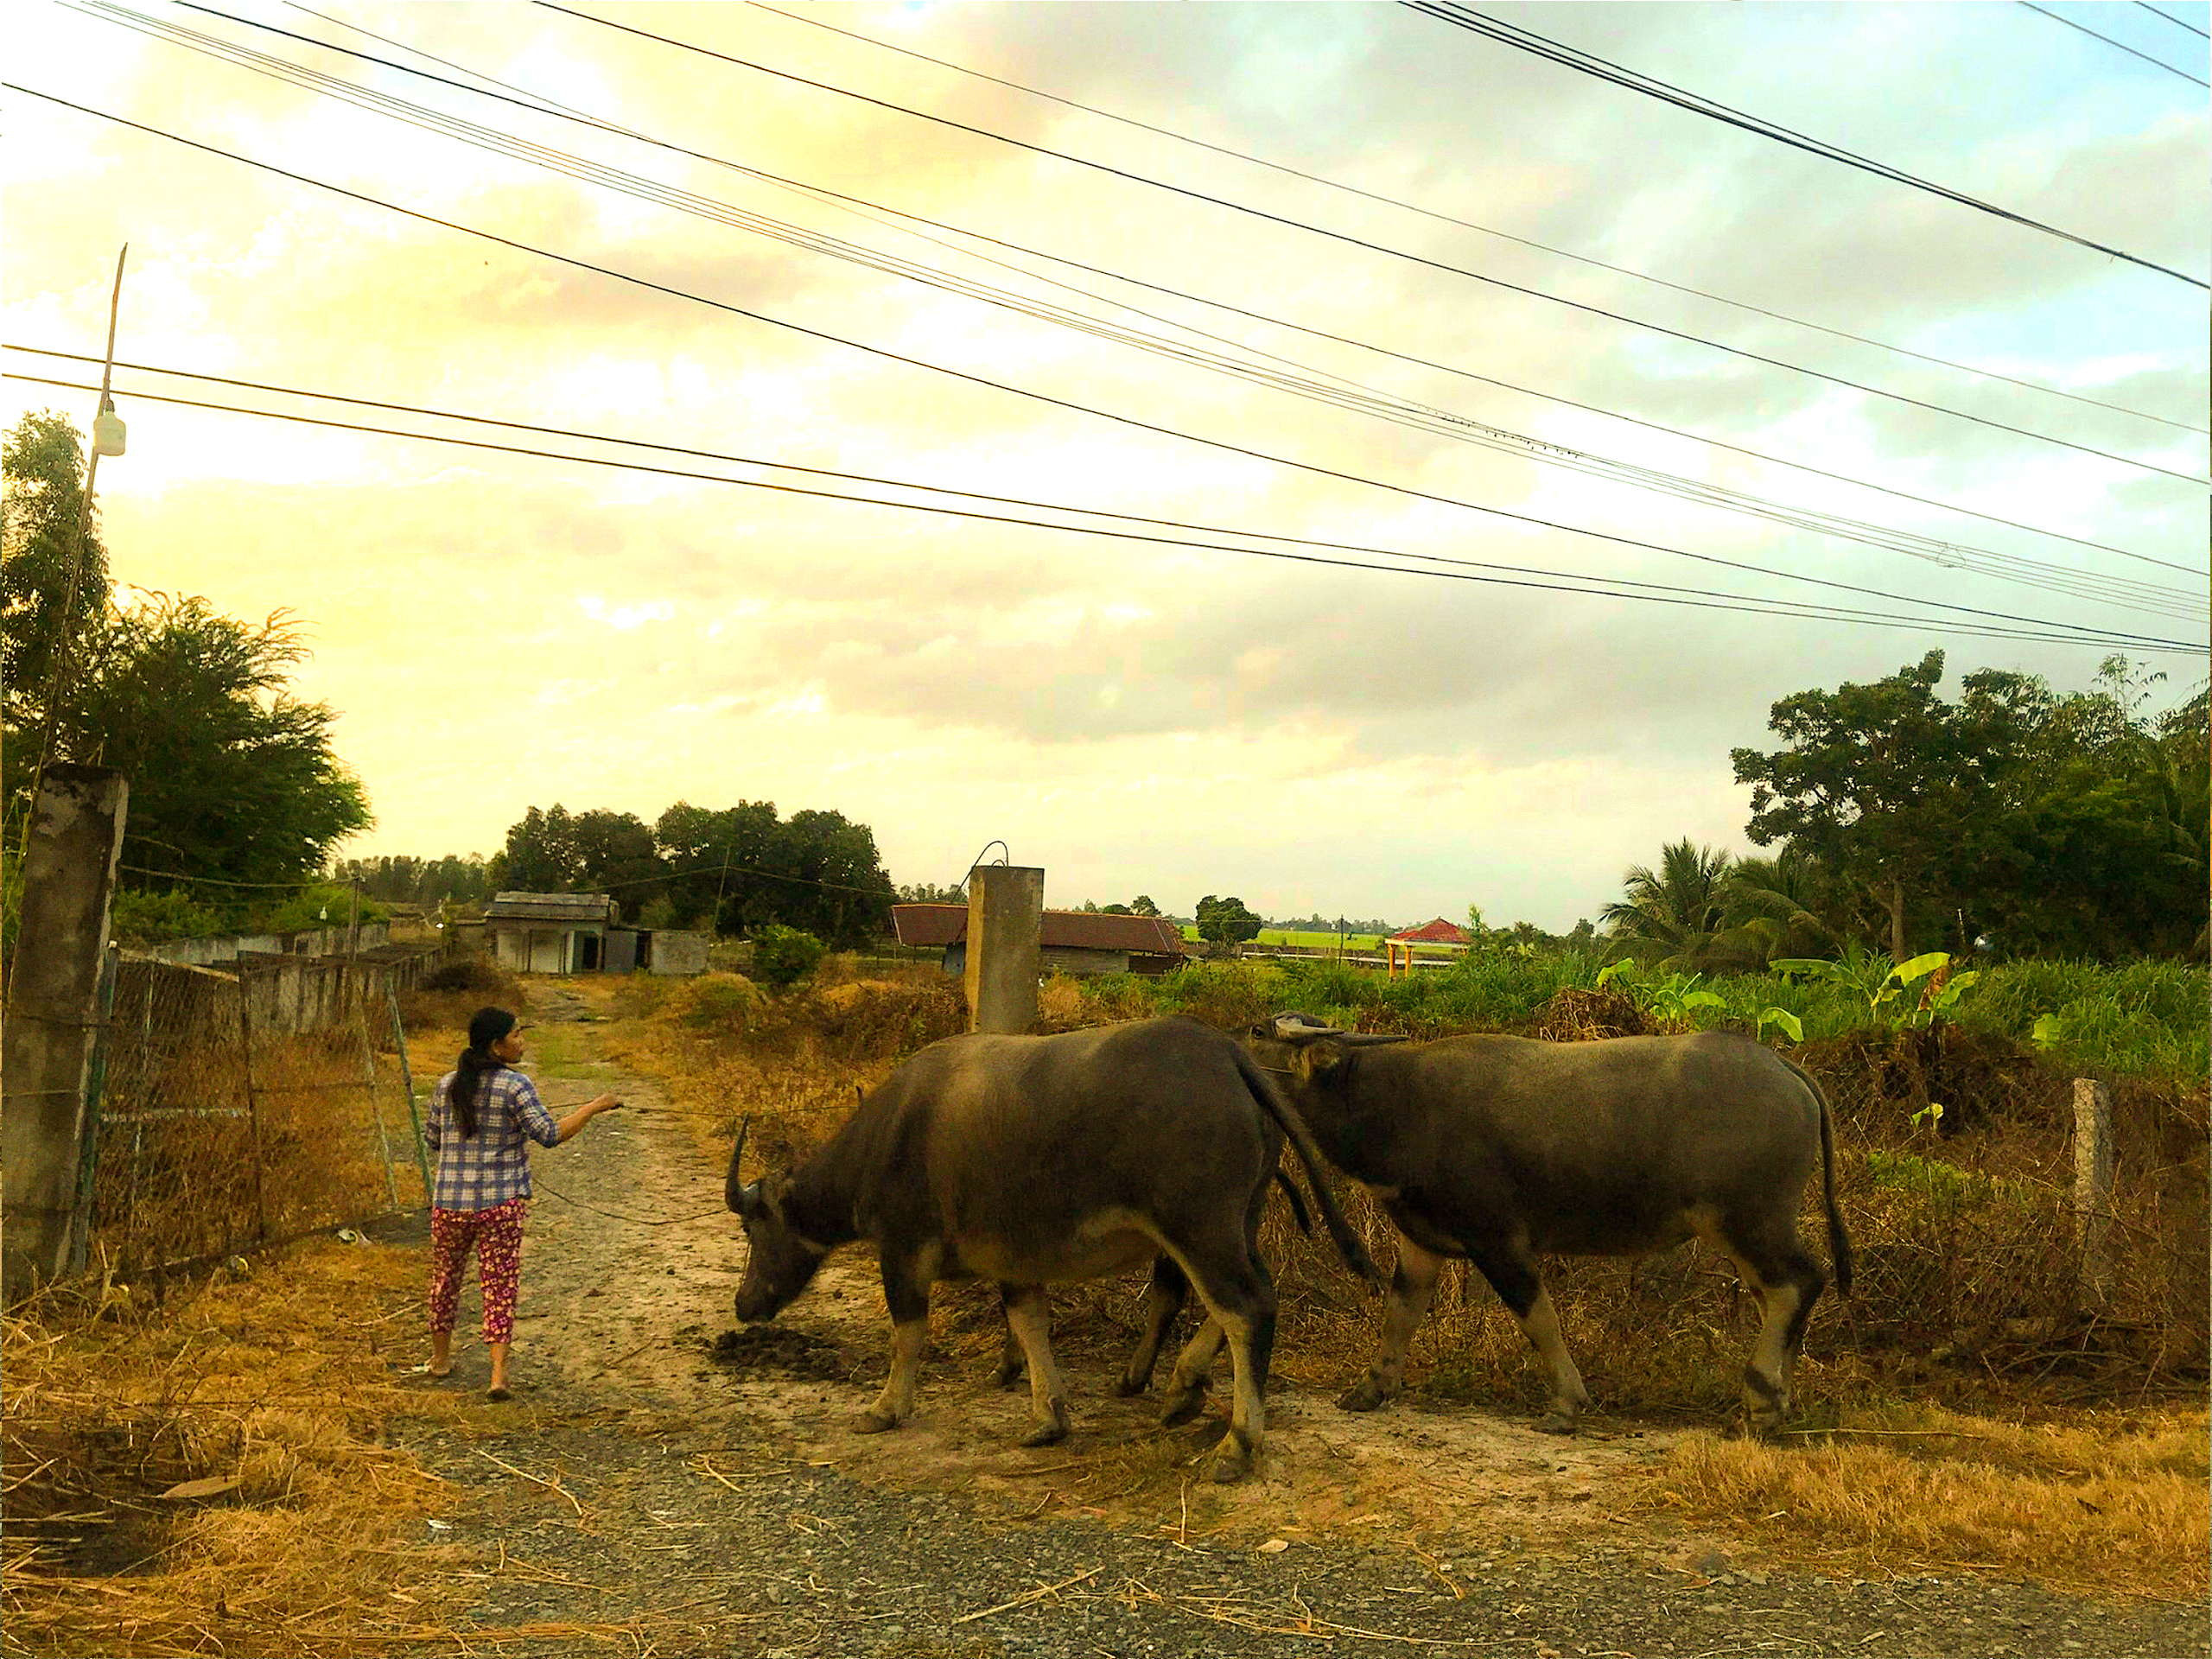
column 252, row 1105
column 375, row 1106
column 53, row 1000
column 407, row 1080
column 80, row 1225
column 2093, row 1189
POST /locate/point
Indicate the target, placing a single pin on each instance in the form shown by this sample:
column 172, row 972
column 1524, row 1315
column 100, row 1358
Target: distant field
column 1322, row 940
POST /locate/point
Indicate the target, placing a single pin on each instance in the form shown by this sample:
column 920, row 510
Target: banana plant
column 1895, row 993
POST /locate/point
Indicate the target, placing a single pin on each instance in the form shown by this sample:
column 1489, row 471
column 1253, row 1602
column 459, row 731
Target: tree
column 928, row 893
column 2070, row 824
column 1885, row 780
column 1226, row 923
column 713, row 855
column 540, row 855
column 1671, row 910
column 43, row 462
column 1792, row 905
column 233, row 778
column 1143, row 905
column 616, row 855
column 832, row 881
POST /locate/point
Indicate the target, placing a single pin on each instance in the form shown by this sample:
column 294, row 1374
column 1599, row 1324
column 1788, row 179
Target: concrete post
column 2093, row 1189
column 1006, row 920
column 52, row 1015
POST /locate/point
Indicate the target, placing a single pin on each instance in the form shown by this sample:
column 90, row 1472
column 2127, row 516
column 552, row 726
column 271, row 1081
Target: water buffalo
column 1494, row 1148
column 1029, row 1160
column 1164, row 1300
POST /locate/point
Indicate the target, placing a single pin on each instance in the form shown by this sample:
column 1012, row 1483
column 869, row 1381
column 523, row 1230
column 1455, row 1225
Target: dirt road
column 645, row 1494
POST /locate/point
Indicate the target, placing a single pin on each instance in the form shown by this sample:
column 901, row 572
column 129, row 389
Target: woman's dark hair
column 477, row 1062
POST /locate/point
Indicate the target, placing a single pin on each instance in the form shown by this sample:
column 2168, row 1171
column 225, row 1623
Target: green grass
column 1361, row 942
column 2147, row 1019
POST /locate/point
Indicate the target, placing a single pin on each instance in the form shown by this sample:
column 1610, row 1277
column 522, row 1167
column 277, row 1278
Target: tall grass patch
column 2094, row 1505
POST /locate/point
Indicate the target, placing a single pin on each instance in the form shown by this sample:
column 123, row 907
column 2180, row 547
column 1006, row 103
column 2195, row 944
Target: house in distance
column 1070, row 942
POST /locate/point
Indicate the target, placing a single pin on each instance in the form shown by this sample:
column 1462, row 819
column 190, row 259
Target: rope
column 538, row 1184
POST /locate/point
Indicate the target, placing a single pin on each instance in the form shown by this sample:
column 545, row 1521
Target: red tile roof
column 1067, row 929
column 1438, row 931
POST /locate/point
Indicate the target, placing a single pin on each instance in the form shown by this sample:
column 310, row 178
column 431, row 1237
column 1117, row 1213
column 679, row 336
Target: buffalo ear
column 775, row 1193
column 1322, row 1055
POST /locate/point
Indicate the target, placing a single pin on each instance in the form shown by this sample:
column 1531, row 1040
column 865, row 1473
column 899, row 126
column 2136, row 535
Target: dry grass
column 1963, row 1249
column 2094, row 1504
column 276, row 1385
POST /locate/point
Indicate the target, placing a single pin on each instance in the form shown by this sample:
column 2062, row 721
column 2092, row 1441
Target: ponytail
column 477, row 1062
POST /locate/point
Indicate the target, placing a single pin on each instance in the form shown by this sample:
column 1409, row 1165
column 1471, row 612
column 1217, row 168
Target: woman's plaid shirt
column 491, row 1166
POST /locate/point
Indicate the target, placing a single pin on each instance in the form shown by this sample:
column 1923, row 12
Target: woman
column 481, row 1112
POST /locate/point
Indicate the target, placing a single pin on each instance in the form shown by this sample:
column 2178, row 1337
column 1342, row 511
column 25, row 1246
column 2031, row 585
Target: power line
column 857, row 204
column 1523, row 39
column 2172, row 598
column 2175, row 21
column 2108, row 41
column 1441, row 217
column 1359, row 242
column 1422, row 417
column 1307, row 467
column 2000, row 626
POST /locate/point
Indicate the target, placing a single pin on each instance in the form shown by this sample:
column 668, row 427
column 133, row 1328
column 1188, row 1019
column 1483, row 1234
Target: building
column 1437, row 935
column 553, row 933
column 1070, row 941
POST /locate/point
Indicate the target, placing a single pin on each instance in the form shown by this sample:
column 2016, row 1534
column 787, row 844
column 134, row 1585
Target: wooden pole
column 95, row 1089
column 407, row 1081
column 375, row 1106
column 252, row 1105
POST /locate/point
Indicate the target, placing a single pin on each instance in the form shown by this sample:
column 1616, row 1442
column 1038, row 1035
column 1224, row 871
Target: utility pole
column 353, row 917
column 107, row 439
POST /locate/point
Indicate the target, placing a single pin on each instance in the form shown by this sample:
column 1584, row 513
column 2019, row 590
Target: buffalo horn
column 739, row 1196
column 1304, row 1028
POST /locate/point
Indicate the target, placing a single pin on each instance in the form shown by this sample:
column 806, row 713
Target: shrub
column 782, row 957
column 137, row 917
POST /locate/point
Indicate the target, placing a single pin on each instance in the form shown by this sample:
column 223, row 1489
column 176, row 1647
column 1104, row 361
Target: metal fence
column 230, row 1109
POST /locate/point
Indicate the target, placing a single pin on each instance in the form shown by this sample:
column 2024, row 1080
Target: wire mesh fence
column 232, row 1109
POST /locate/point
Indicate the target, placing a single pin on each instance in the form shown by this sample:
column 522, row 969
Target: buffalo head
column 781, row 1262
column 1299, row 1047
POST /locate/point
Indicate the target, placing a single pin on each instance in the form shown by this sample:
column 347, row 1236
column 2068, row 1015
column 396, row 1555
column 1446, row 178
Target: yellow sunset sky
column 1450, row 280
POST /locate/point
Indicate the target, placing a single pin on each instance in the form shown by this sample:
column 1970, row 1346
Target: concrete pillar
column 2093, row 1189
column 1006, row 920
column 53, row 1017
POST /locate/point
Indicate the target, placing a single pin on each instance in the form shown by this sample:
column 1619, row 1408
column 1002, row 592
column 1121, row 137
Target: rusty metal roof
column 548, row 907
column 1438, row 931
column 1061, row 929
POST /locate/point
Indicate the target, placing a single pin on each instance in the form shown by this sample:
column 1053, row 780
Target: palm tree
column 1672, row 910
column 1792, row 905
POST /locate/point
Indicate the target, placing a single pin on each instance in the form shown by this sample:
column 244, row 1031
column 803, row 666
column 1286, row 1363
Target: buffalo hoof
column 1007, row 1375
column 1052, row 1431
column 1181, row 1407
column 1363, row 1396
column 1557, row 1422
column 872, row 1422
column 1232, row 1460
column 1128, row 1385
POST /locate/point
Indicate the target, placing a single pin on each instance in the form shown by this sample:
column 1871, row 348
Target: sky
column 1497, row 443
